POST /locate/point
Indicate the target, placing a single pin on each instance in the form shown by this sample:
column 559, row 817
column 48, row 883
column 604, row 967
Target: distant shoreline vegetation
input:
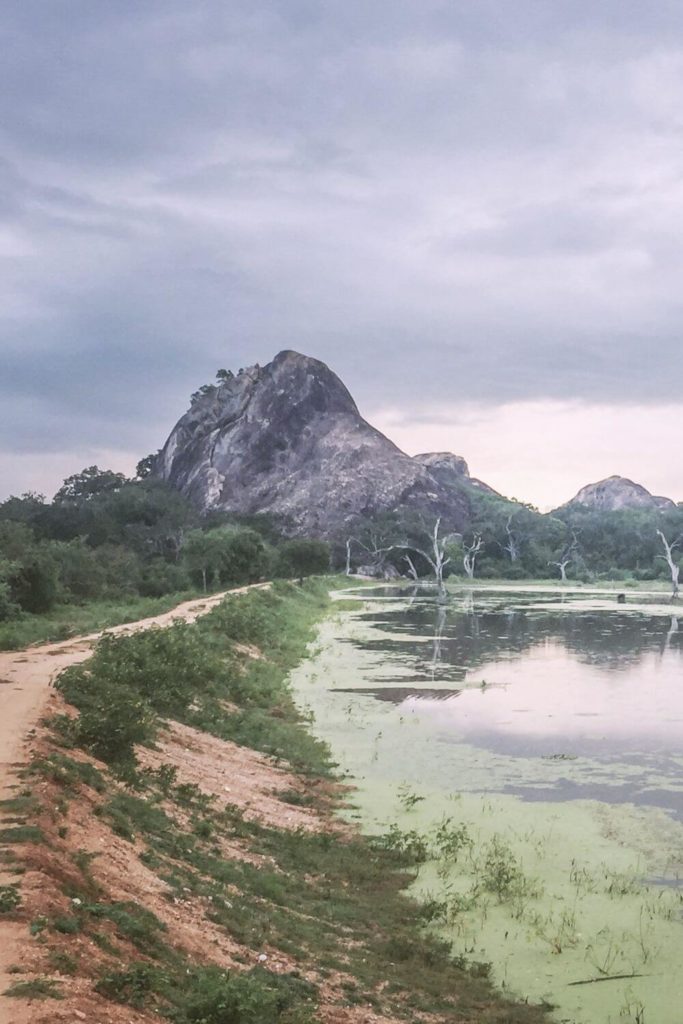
column 108, row 548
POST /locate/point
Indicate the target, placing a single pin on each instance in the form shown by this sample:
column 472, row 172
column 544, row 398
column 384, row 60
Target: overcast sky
column 471, row 209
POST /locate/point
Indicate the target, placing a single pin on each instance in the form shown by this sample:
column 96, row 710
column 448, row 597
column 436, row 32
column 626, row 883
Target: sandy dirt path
column 25, row 678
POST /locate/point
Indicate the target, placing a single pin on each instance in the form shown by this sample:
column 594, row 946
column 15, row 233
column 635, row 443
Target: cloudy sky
column 471, row 209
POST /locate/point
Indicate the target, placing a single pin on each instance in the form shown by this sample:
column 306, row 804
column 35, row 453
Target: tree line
column 506, row 539
column 106, row 537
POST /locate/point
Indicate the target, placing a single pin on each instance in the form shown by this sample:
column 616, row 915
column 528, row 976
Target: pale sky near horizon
column 473, row 212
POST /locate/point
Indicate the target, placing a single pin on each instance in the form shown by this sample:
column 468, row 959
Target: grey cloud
column 446, row 200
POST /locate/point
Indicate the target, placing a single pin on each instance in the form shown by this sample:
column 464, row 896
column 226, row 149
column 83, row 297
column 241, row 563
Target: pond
column 532, row 741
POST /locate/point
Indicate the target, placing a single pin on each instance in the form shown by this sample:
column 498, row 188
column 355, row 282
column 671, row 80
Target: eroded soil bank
column 572, row 901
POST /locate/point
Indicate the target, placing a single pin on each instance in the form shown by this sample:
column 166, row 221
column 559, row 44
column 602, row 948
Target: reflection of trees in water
column 464, row 637
column 673, row 630
column 439, row 626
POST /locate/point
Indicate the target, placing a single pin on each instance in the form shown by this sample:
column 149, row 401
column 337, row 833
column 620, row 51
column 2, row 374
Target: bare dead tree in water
column 412, row 571
column 470, row 556
column 348, row 555
column 562, row 566
column 377, row 553
column 435, row 556
column 674, row 567
column 566, row 557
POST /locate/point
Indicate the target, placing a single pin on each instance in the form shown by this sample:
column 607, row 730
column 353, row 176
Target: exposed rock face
column 452, row 471
column 616, row 493
column 288, row 439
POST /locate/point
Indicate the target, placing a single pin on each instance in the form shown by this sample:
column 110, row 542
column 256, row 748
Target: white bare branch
column 412, row 571
column 470, row 556
column 674, row 567
column 562, row 566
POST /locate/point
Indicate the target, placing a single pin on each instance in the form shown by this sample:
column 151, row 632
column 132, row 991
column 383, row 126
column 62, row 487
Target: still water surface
column 550, row 723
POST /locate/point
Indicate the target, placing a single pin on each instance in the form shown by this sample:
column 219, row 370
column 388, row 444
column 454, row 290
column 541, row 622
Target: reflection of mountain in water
column 449, row 646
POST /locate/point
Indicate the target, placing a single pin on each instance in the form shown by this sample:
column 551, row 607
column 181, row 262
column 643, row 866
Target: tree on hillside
column 148, row 515
column 302, row 558
column 226, row 555
column 9, row 608
column 146, row 466
column 34, row 582
column 25, row 509
column 88, row 484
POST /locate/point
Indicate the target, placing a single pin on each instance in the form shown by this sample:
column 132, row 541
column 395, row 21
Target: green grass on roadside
column 69, row 620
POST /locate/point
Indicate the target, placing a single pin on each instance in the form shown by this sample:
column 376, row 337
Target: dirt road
column 25, row 678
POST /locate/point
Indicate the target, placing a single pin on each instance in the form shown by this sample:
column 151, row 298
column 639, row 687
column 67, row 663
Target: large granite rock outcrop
column 288, row 439
column 452, row 471
column 616, row 493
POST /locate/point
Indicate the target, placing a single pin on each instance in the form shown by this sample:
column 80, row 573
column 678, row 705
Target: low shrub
column 131, row 680
column 214, row 996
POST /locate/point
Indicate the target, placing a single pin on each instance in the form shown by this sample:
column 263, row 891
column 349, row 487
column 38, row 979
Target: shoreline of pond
column 581, row 905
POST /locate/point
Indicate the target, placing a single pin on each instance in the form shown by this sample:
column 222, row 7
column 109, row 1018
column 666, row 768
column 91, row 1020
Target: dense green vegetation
column 107, row 544
column 186, row 671
column 108, row 549
column 331, row 902
column 519, row 542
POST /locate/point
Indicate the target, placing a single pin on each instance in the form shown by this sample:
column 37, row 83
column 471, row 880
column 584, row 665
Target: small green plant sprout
column 407, row 797
column 560, row 934
column 63, row 962
column 407, row 848
column 459, row 903
column 433, row 910
column 633, row 1010
column 132, row 986
column 647, row 952
column 36, row 988
column 9, row 898
column 501, row 873
column 451, row 838
column 581, row 879
column 605, row 955
column 621, row 883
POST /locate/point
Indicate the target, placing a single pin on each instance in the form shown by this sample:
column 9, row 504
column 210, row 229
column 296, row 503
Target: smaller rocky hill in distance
column 617, row 493
column 287, row 439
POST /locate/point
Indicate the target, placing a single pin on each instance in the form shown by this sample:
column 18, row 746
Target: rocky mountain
column 616, row 493
column 452, row 470
column 288, row 439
